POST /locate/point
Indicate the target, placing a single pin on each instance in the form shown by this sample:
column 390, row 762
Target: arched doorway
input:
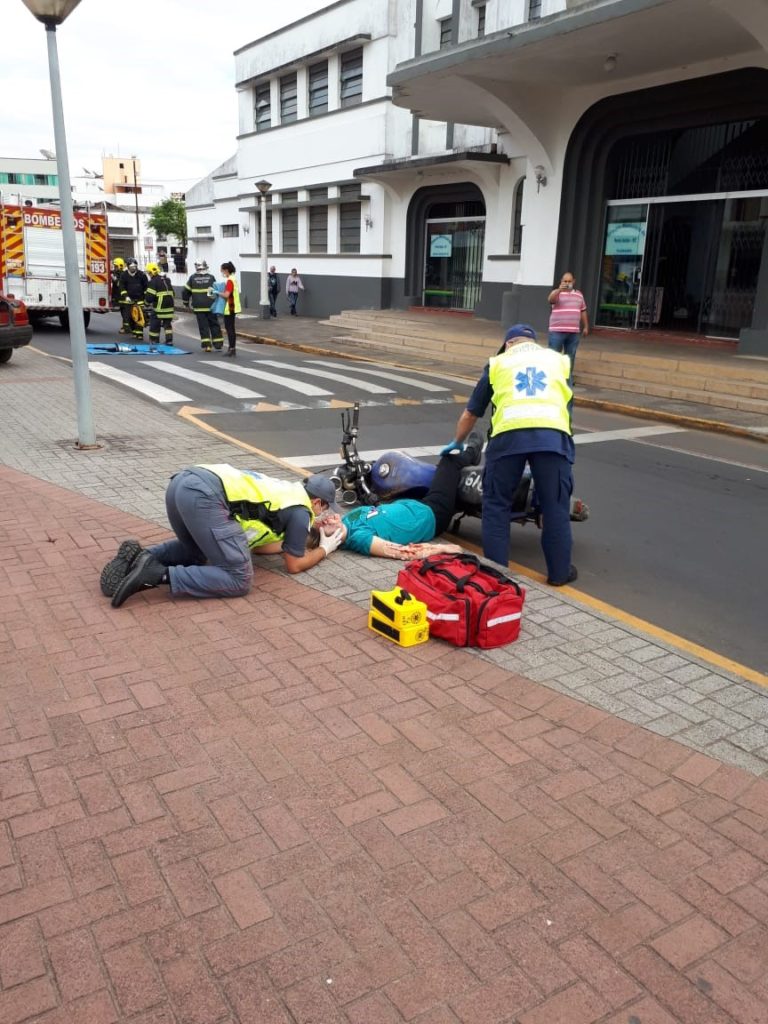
column 445, row 236
column 665, row 203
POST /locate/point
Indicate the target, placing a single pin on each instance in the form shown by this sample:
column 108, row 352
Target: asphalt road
column 677, row 533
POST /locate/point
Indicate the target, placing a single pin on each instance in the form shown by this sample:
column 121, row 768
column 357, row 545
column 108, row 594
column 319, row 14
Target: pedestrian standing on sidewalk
column 220, row 515
column 273, row 290
column 568, row 318
column 227, row 303
column 528, row 387
column 293, row 286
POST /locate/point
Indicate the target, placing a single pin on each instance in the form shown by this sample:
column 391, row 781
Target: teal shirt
column 403, row 522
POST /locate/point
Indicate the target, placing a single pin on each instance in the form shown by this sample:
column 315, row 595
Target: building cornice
column 304, row 59
column 292, row 25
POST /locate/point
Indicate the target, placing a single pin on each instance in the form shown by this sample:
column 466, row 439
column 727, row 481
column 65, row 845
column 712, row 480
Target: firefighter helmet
column 201, row 265
column 118, row 263
column 152, row 269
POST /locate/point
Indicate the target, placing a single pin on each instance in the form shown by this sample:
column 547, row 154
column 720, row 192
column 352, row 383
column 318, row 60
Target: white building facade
column 457, row 154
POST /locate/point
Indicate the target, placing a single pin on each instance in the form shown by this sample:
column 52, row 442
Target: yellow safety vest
column 253, row 501
column 235, row 299
column 530, row 389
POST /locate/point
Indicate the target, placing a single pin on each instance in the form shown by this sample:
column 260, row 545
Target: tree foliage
column 170, row 218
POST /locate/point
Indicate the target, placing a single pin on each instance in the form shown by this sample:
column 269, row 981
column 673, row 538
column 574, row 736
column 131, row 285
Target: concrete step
column 677, row 391
column 405, row 328
column 694, row 376
column 699, row 364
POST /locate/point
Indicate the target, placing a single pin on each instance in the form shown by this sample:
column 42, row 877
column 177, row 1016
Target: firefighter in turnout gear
column 159, row 301
column 198, row 293
column 133, row 286
column 118, row 266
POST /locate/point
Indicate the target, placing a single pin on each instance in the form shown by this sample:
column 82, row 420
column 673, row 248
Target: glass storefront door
column 453, row 263
column 622, row 265
column 685, row 265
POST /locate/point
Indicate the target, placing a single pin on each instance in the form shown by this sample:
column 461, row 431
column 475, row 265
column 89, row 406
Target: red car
column 15, row 328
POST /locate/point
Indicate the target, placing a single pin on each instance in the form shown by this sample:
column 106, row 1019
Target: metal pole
column 86, row 436
column 136, row 205
column 264, row 300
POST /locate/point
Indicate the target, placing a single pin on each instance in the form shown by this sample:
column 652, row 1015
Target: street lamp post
column 53, row 13
column 263, row 187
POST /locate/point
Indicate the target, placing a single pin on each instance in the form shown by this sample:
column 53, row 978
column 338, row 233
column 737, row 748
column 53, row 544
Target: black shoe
column 231, row 352
column 572, row 575
column 146, row 573
column 114, row 571
column 473, row 449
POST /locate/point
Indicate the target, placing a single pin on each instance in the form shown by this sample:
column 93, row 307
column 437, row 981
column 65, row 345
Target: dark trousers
column 209, row 327
column 273, row 302
column 155, row 325
column 209, row 557
column 553, row 480
column 293, row 298
column 441, row 496
column 229, row 327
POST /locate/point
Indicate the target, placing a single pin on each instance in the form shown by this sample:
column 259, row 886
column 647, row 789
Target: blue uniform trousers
column 210, row 556
column 553, row 479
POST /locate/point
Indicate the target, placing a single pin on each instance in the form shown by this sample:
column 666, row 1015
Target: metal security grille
column 446, row 32
column 481, row 21
column 230, row 230
column 517, row 225
column 534, row 10
column 318, row 229
column 728, row 157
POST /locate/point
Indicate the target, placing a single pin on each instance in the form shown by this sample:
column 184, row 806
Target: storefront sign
column 440, row 246
column 625, row 239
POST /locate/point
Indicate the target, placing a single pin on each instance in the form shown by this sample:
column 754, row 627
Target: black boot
column 473, row 449
column 145, row 574
column 231, row 352
column 572, row 575
column 114, row 571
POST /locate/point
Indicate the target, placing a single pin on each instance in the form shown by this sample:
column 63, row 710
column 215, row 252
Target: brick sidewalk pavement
column 254, row 811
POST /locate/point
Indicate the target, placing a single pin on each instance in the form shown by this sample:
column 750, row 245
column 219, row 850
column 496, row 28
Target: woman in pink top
column 568, row 317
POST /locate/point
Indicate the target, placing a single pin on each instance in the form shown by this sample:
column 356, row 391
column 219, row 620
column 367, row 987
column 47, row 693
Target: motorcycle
column 397, row 475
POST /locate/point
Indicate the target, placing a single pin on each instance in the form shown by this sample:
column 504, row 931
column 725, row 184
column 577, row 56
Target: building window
column 291, row 230
column 481, row 21
column 352, row 78
column 517, row 214
column 14, row 179
column 318, row 220
column 289, row 109
column 203, row 229
column 446, row 32
column 318, row 88
column 230, row 230
column 41, row 179
column 262, row 107
column 349, row 227
column 534, row 10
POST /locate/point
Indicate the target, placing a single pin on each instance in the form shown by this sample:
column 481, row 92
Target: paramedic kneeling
column 220, row 515
column 531, row 422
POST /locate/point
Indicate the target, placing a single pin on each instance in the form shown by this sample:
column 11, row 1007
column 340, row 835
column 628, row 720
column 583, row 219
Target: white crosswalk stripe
column 356, row 382
column 146, row 387
column 422, row 385
column 225, row 386
column 292, row 385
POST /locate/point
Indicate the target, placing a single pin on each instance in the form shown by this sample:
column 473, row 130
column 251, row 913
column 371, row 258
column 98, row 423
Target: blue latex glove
column 454, row 446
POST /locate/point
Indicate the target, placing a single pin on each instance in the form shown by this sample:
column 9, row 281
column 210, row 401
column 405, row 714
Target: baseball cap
column 321, row 487
column 520, row 331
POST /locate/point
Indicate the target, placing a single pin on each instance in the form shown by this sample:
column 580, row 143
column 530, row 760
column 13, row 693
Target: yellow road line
column 704, row 653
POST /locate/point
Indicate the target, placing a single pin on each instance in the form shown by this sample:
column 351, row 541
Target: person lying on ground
column 402, row 529
column 221, row 515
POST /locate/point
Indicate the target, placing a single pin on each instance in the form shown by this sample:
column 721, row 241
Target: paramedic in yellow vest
column 221, row 515
column 528, row 387
column 227, row 304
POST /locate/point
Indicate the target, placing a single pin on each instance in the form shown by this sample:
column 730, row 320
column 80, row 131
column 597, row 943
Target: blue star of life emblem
column 531, row 381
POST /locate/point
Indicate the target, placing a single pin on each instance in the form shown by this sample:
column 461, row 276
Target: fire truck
column 32, row 260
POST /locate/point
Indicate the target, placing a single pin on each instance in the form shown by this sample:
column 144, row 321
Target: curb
column 605, row 405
